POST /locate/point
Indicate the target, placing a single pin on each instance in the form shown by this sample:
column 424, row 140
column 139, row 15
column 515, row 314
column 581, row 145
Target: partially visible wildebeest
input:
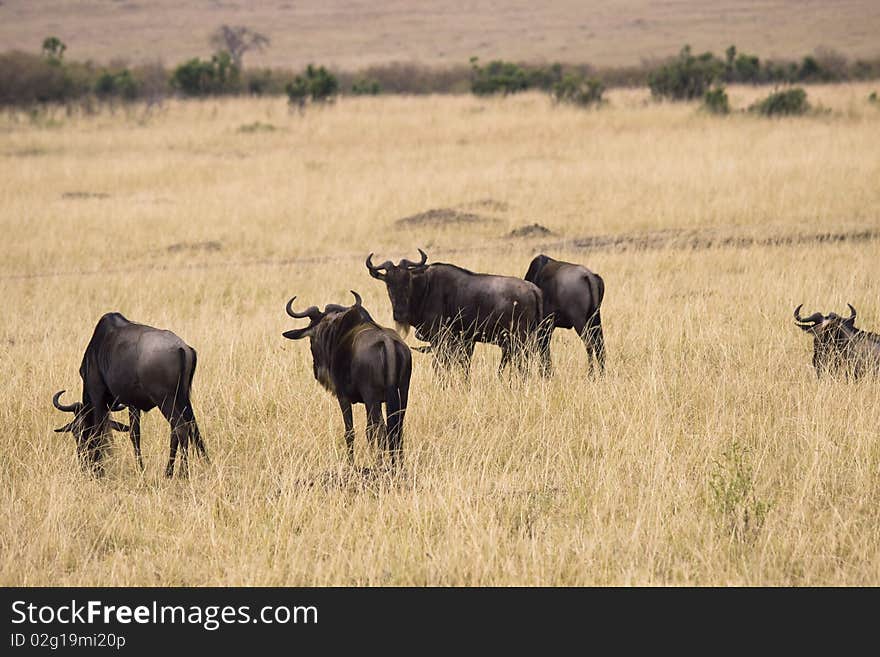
column 453, row 309
column 361, row 363
column 138, row 366
column 572, row 299
column 838, row 346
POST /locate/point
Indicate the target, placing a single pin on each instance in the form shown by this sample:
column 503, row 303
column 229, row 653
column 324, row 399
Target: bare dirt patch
column 444, row 217
column 705, row 239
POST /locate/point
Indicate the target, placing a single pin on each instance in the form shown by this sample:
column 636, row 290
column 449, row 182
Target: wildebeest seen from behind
column 838, row 346
column 572, row 299
column 453, row 309
column 140, row 367
column 359, row 362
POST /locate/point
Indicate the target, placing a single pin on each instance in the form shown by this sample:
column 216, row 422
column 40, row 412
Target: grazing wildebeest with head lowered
column 572, row 298
column 453, row 309
column 138, row 366
column 839, row 346
column 361, row 363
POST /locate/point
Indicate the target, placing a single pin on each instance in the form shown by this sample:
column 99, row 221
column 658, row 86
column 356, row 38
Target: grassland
column 708, row 454
column 353, row 34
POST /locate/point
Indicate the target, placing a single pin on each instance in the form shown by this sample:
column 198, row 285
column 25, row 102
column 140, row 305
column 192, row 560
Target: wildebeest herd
column 133, row 366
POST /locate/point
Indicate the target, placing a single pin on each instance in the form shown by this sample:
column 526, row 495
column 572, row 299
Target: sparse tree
column 237, row 40
column 53, row 48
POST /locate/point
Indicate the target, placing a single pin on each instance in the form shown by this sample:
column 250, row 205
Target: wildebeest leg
column 511, row 352
column 195, row 433
column 590, row 333
column 376, row 433
column 396, row 400
column 464, row 353
column 134, row 419
column 544, row 338
column 179, row 437
column 444, row 359
column 594, row 329
column 99, row 440
column 348, row 420
column 182, row 430
column 169, row 469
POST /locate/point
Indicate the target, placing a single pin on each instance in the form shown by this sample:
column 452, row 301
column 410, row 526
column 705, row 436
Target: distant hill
column 355, row 33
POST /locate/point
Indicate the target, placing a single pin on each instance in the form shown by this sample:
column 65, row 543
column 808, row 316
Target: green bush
column 545, row 77
column 687, row 77
column 297, row 92
column 120, row 85
column 317, row 84
column 715, row 101
column 497, row 77
column 204, row 78
column 259, row 82
column 366, row 87
column 575, row 90
column 872, row 98
column 783, row 103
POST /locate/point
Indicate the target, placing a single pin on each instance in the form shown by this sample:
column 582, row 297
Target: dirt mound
column 531, row 230
column 444, row 217
column 210, row 245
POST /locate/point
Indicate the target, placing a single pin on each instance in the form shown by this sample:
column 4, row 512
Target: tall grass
column 708, row 454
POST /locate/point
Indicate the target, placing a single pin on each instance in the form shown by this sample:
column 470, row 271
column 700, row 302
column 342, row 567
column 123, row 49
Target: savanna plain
column 707, row 454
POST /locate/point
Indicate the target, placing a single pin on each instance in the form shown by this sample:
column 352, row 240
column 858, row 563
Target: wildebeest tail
column 192, row 371
column 539, row 306
column 185, row 401
column 597, row 289
column 397, row 394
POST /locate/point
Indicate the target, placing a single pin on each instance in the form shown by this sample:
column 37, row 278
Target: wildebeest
column 359, row 362
column 453, row 309
column 838, row 346
column 572, row 299
column 139, row 367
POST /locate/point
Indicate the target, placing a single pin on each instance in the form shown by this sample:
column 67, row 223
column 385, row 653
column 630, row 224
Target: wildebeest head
column 830, row 336
column 319, row 323
column 87, row 430
column 831, row 329
column 399, row 281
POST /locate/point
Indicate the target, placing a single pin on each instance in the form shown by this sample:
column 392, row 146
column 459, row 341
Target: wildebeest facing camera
column 838, row 346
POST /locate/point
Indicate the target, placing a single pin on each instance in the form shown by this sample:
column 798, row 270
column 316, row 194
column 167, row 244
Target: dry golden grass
column 356, row 33
column 709, row 454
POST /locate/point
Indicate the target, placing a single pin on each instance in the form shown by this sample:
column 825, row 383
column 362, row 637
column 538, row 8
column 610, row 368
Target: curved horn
column 310, row 312
column 815, row 318
column 852, row 311
column 413, row 265
column 357, row 299
column 67, row 408
column 376, row 272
